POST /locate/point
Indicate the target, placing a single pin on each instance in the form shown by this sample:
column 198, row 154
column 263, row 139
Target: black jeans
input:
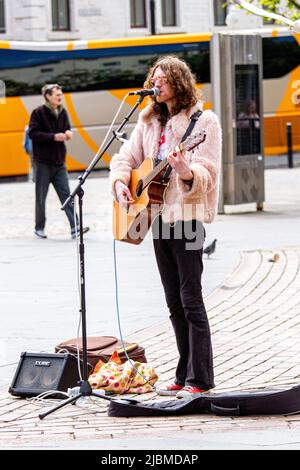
column 181, row 268
column 58, row 176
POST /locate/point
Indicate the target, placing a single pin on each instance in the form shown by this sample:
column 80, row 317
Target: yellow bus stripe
column 4, row 45
column 82, row 132
column 151, row 40
column 70, row 46
column 278, row 150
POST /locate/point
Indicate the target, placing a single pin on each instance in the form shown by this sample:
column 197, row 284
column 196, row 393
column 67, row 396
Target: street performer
column 191, row 200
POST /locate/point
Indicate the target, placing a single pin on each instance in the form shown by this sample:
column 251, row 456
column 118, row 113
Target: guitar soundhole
column 139, row 188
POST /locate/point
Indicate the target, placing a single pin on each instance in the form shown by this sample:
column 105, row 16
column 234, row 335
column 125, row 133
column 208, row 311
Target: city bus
column 96, row 75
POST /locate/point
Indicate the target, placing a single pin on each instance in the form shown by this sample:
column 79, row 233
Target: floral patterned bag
column 129, row 377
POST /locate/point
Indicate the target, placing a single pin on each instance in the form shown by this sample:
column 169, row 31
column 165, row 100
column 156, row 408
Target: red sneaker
column 189, row 391
column 169, row 390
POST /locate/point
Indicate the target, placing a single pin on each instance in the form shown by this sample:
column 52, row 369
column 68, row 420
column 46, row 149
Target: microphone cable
column 119, row 320
column 146, row 381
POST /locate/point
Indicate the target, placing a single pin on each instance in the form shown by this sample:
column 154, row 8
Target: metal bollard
column 289, row 140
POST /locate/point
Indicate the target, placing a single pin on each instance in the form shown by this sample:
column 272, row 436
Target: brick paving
column 254, row 315
column 255, row 323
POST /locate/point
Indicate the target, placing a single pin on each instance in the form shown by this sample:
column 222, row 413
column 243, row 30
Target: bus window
column 94, row 69
column 281, row 55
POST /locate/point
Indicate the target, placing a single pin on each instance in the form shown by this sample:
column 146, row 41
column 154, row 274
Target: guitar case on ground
column 238, row 403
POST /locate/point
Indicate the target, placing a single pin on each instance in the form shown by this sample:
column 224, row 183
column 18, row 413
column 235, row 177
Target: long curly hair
column 183, row 81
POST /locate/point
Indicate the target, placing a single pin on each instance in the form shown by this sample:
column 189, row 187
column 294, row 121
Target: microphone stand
column 85, row 389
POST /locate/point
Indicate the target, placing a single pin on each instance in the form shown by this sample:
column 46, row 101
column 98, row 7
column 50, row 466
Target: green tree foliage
column 288, row 8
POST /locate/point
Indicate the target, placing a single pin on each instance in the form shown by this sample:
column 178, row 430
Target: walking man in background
column 49, row 129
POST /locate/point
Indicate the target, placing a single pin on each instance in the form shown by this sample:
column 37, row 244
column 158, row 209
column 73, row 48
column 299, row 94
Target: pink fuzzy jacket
column 182, row 202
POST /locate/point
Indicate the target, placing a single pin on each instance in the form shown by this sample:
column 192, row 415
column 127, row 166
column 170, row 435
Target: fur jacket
column 182, row 202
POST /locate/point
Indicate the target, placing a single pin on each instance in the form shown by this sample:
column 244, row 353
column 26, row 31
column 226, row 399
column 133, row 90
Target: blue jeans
column 181, row 271
column 58, row 176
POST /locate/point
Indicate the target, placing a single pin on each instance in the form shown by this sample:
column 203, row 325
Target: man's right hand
column 60, row 137
column 123, row 194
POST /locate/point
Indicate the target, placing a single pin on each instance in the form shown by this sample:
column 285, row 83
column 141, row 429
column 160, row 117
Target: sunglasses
column 163, row 80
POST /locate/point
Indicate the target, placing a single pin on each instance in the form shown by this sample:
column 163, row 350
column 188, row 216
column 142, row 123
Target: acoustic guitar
column 148, row 185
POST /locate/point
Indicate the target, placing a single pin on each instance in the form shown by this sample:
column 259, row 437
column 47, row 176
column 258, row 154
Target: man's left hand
column 69, row 135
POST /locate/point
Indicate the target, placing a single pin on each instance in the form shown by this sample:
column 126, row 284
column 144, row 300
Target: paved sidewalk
column 254, row 318
column 255, row 323
column 281, row 161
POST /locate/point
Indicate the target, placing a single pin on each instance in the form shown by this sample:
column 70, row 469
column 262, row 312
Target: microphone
column 146, row 92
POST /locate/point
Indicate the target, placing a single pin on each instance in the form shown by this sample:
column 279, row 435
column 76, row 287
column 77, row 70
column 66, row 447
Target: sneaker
column 74, row 234
column 189, row 391
column 40, row 233
column 169, row 390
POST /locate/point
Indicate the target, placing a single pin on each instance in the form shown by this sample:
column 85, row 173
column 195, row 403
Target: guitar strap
column 194, row 118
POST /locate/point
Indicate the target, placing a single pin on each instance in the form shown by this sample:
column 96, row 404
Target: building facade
column 54, row 20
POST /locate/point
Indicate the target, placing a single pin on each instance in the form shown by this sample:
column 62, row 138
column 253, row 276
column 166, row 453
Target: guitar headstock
column 193, row 140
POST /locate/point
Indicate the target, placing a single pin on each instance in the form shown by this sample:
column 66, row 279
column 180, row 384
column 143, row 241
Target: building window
column 168, row 12
column 61, row 15
column 220, row 12
column 2, row 17
column 138, row 14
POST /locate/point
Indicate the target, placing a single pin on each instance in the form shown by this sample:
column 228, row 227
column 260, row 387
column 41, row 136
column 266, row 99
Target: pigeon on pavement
column 210, row 249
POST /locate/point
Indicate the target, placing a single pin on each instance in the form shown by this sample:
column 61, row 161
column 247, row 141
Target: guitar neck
column 190, row 143
column 160, row 167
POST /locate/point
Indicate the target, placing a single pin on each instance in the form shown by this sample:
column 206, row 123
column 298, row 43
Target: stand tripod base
column 85, row 391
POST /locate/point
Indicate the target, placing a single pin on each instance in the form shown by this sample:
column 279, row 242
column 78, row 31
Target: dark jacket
column 43, row 125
